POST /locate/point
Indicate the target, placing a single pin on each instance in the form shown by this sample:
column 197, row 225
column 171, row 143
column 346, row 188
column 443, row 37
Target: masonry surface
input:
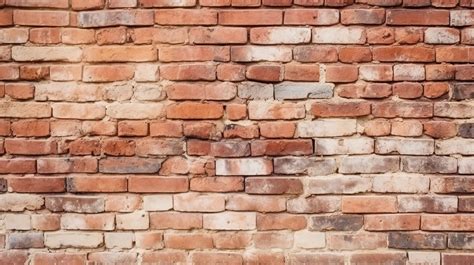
column 333, row 132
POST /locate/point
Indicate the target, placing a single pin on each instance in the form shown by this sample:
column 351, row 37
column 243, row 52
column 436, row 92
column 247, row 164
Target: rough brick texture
column 237, row 132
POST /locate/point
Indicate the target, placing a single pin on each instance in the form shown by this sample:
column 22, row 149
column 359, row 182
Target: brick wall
column 237, row 132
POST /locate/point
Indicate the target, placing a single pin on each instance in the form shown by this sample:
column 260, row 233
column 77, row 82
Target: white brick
column 408, row 72
column 196, row 202
column 133, row 221
column 157, row 202
column 73, row 240
column 68, row 91
column 416, row 204
column 230, row 221
column 423, row 257
column 303, row 90
column 261, row 53
column 122, row 240
column 369, row 164
column 338, row 184
column 441, row 35
column 13, row 35
column 275, row 110
column 339, row 35
column 359, row 145
column 280, row 35
column 65, row 54
column 146, row 72
column 17, row 222
column 401, row 183
column 462, row 17
column 149, row 92
column 134, row 111
column 299, row 165
column 18, row 202
column 466, row 165
column 307, row 239
column 244, row 166
column 326, row 128
column 404, row 146
column 255, row 90
column 455, row 146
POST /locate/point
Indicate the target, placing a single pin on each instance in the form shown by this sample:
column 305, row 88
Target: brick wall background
column 236, row 132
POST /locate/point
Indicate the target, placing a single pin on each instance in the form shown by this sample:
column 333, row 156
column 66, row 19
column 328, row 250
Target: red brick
column 34, row 72
column 77, row 36
column 265, row 73
column 6, row 17
column 363, row 16
column 96, row 184
column 344, row 109
column 166, row 129
column 45, row 35
column 29, row 128
column 194, row 53
column 369, row 204
column 41, row 18
column 190, row 110
column 67, row 165
column 84, row 147
column 158, row 35
column 145, row 184
column 311, row 17
column 107, row 73
column 355, row 54
column 403, row 54
column 417, row 17
column 230, row 72
column 111, row 36
column 175, row 220
column 30, row 147
column 408, row 90
column 218, row 35
column 370, row 90
column 391, row 222
column 440, row 129
column 19, row 91
column 186, row 17
column 281, row 147
column 240, row 131
column 203, row 91
column 308, row 54
column 192, row 72
column 435, row 90
column 51, row 258
column 37, row 184
column 87, row 4
column 17, row 166
column 402, row 109
column 250, row 17
column 341, row 73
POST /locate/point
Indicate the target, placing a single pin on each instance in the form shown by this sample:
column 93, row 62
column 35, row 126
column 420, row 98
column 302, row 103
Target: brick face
column 236, row 132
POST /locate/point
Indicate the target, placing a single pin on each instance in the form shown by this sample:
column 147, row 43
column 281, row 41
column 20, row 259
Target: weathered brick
column 314, row 205
column 429, row 164
column 339, row 35
column 302, row 90
column 273, row 185
column 431, row 204
column 389, row 222
column 301, row 165
column 90, row 19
